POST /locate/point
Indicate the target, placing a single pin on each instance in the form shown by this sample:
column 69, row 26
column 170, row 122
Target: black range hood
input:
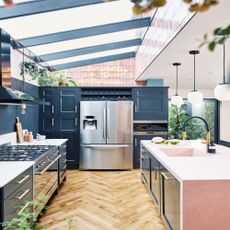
column 9, row 96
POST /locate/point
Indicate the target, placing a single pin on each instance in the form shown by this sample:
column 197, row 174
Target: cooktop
column 24, row 152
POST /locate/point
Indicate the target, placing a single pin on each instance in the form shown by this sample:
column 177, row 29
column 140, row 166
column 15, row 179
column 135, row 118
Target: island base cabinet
column 170, row 203
column 206, row 205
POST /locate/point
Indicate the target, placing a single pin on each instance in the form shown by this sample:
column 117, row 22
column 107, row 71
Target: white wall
column 225, row 121
column 208, row 93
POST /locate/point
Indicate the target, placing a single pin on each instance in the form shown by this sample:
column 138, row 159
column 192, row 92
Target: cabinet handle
column 155, row 173
column 64, row 161
column 53, row 122
column 23, row 179
column 166, row 176
column 25, row 206
column 64, row 168
column 52, row 108
column 135, row 108
column 135, row 141
column 64, row 154
column 75, row 108
column 75, row 121
column 23, row 194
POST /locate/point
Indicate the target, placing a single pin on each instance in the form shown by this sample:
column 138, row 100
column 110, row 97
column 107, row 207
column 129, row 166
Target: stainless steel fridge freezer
column 106, row 135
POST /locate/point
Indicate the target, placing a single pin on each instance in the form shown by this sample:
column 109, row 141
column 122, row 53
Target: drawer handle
column 166, row 176
column 23, row 179
column 25, row 206
column 23, row 194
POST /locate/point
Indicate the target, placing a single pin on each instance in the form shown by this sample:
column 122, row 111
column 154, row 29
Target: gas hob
column 25, row 152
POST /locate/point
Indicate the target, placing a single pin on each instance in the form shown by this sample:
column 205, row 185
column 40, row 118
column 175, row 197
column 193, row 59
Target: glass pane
column 91, row 56
column 85, row 42
column 69, row 19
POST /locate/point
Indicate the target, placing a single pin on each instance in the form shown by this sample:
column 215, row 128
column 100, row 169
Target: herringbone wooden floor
column 102, row 201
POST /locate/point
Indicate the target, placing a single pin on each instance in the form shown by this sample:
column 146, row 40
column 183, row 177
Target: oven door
column 45, row 183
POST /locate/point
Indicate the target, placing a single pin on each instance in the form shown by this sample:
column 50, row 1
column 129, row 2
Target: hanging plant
column 43, row 77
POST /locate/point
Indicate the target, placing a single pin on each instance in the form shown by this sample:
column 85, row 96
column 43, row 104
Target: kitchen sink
column 183, row 152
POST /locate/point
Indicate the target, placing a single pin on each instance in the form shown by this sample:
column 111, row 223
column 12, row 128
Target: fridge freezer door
column 106, row 157
column 93, row 122
column 119, row 122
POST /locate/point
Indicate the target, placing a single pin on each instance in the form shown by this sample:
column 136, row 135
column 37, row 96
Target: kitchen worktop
column 57, row 142
column 207, row 167
column 11, row 169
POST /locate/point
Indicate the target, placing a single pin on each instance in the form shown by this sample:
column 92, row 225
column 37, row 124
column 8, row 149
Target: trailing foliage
column 43, row 77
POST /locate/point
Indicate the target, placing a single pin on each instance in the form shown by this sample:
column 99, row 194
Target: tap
column 208, row 135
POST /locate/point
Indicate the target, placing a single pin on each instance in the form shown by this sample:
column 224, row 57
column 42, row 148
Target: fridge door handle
column 108, row 123
column 106, row 146
column 104, row 124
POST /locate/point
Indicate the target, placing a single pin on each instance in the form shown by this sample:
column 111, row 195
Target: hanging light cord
column 23, row 73
column 176, row 80
column 224, row 82
column 194, row 70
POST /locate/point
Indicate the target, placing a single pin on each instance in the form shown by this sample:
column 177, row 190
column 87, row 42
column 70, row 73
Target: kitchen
column 105, row 128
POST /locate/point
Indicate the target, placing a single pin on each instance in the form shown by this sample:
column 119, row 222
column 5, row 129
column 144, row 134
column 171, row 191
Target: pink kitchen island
column 190, row 188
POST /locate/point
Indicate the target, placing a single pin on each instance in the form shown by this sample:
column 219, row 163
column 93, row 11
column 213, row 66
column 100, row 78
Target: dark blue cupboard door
column 48, row 94
column 150, row 103
column 68, row 108
column 72, row 148
column 136, row 149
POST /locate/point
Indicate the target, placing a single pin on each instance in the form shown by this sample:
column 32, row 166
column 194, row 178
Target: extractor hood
column 9, row 96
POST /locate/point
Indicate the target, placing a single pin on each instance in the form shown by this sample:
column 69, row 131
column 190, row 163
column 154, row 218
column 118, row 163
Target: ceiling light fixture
column 194, row 97
column 177, row 100
column 222, row 91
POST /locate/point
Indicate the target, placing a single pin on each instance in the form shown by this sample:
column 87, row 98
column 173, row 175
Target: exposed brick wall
column 121, row 72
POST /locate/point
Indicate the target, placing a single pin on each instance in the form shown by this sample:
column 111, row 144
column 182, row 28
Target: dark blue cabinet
column 136, row 149
column 61, row 118
column 150, row 103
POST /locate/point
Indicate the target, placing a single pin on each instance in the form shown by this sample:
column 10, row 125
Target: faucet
column 208, row 136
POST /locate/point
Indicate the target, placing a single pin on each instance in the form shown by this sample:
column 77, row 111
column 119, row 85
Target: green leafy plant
column 219, row 36
column 177, row 116
column 25, row 218
column 43, row 77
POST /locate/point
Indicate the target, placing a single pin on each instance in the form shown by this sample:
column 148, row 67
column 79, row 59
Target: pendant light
column 177, row 100
column 194, row 97
column 222, row 91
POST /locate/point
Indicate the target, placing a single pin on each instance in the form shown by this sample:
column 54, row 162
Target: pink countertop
column 207, row 167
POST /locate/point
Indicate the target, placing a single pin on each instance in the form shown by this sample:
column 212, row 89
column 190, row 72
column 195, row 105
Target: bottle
column 26, row 136
column 30, row 137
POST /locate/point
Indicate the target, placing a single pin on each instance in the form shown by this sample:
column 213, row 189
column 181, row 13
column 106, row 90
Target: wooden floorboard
column 112, row 200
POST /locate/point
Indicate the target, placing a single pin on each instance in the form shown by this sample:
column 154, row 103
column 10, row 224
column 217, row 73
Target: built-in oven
column 62, row 164
column 45, row 179
column 151, row 128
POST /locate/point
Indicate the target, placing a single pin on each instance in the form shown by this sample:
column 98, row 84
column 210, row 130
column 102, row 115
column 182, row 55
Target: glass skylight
column 85, row 42
column 73, row 19
column 92, row 56
column 69, row 19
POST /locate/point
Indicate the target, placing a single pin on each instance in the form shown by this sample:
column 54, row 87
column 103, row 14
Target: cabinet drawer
column 17, row 182
column 17, row 199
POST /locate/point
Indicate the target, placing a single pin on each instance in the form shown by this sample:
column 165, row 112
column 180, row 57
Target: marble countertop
column 57, row 142
column 204, row 167
column 11, row 169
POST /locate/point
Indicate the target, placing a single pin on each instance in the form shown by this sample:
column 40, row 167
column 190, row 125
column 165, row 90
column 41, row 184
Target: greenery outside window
column 195, row 128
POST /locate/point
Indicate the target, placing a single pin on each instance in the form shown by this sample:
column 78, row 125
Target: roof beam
column 94, row 61
column 85, row 32
column 42, row 6
column 90, row 49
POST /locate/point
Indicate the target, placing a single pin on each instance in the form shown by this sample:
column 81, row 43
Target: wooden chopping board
column 19, row 130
